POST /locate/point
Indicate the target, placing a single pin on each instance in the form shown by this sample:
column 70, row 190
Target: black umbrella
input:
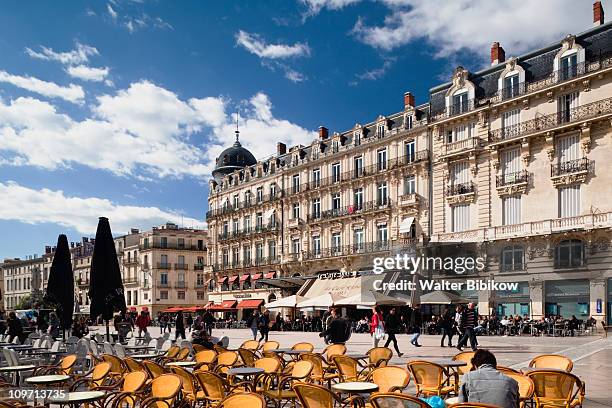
column 105, row 284
column 60, row 288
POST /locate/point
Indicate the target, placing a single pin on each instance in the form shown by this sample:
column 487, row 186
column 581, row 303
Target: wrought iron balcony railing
column 569, row 167
column 350, row 210
column 259, row 229
column 509, row 179
column 172, row 245
column 458, row 189
column 162, row 265
column 252, row 203
column 249, row 263
column 181, row 267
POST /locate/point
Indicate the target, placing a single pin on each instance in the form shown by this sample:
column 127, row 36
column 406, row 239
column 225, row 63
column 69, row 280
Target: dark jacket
column 489, row 386
column 447, row 320
column 338, row 330
column 15, row 328
column 263, row 323
column 393, row 324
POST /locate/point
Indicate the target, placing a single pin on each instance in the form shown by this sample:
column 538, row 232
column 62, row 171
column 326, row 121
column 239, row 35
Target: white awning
column 289, row 301
column 268, row 214
column 406, row 225
column 324, row 300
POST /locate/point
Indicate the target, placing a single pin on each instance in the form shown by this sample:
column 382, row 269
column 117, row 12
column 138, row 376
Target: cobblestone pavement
column 592, row 355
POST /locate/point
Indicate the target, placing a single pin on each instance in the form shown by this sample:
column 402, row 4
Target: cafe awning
column 256, row 276
column 172, row 309
column 244, row 277
column 289, row 282
column 440, row 297
column 270, row 275
column 232, row 279
column 221, row 280
column 224, row 306
column 250, row 304
column 371, row 298
column 289, row 302
column 324, row 300
column 406, row 225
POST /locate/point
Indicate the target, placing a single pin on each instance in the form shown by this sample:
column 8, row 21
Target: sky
column 118, row 108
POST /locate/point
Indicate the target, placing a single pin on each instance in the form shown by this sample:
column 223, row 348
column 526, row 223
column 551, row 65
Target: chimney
column 281, row 148
column 323, row 132
column 498, row 55
column 598, row 14
column 408, row 100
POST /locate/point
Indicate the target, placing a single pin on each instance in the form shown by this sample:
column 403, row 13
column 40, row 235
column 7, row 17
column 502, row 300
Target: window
column 569, row 201
column 408, row 122
column 358, row 198
column 335, row 172
column 511, row 86
column 225, row 229
column 568, row 67
column 460, row 173
column 459, row 103
column 259, row 252
column 316, row 178
column 511, row 210
column 410, row 184
column 259, row 221
column 460, row 218
column 358, row 241
column 335, row 146
column 568, row 148
column 295, row 183
column 380, row 129
column 567, row 105
column 510, row 121
column 129, row 297
column 410, row 151
column 235, row 256
column 272, row 190
column 272, row 249
column 316, row 208
column 235, row 224
column 358, row 166
column 316, row 245
column 200, row 279
column 357, row 138
column 163, row 294
column 247, row 198
column 295, row 246
column 246, row 224
column 569, row 254
column 382, row 233
column 461, row 132
column 180, row 295
column 181, row 260
column 510, row 164
column 164, row 261
column 335, row 201
column 382, row 198
column 336, row 242
column 236, row 201
column 163, row 242
column 163, row 278
column 259, row 194
column 200, row 295
column 381, row 159
column 295, row 211
column 246, row 255
column 225, row 258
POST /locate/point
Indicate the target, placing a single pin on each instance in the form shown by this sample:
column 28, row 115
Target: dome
column 233, row 158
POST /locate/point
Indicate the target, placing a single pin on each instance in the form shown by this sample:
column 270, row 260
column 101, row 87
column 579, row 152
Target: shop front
column 513, row 302
column 567, row 298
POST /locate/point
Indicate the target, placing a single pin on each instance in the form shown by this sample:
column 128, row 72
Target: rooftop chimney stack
column 598, row 14
column 281, row 148
column 498, row 55
column 323, row 132
column 408, row 100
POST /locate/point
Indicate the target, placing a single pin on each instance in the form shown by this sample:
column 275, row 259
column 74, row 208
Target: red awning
column 244, row 277
column 193, row 309
column 207, row 282
column 256, row 276
column 232, row 279
column 132, row 309
column 250, row 304
column 224, row 306
column 222, row 280
column 145, row 309
column 209, row 304
column 172, row 309
column 270, row 275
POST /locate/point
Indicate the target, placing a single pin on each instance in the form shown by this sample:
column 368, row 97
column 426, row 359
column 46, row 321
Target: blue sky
column 118, row 108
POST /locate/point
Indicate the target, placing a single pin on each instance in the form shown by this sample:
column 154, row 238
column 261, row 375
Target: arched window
column 513, row 258
column 569, row 253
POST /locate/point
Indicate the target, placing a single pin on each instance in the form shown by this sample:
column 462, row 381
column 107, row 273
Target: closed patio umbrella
column 60, row 287
column 105, row 284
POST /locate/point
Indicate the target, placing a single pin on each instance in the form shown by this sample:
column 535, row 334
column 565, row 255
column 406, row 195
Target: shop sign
column 243, row 295
column 337, row 275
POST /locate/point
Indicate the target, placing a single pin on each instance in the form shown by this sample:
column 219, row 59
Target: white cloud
column 376, row 73
column 453, row 25
column 79, row 55
column 72, row 93
column 144, row 131
column 315, row 6
column 111, row 11
column 88, row 73
column 294, row 76
column 47, row 206
column 256, row 45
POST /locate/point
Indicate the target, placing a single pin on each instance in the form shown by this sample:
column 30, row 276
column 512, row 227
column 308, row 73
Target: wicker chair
column 205, row 358
column 98, row 376
column 164, row 392
column 303, row 346
column 526, row 386
column 432, row 379
column 270, row 345
column 472, row 405
column 466, row 357
column 153, row 369
column 390, row 378
column 243, row 399
column 225, row 361
column 191, row 391
column 319, row 373
column 65, row 366
column 378, row 357
column 556, row 389
column 252, row 345
column 247, row 356
column 552, row 361
column 395, row 400
column 300, row 371
column 214, row 387
column 348, row 369
column 127, row 392
column 317, row 396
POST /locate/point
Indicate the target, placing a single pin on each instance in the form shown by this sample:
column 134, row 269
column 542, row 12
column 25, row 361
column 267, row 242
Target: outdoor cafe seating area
column 148, row 372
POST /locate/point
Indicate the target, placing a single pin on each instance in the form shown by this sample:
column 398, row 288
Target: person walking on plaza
column 392, row 327
column 179, row 326
column 447, row 326
column 377, row 328
column 338, row 330
column 253, row 322
column 415, row 326
column 142, row 322
column 469, row 319
column 264, row 325
column 14, row 327
column 189, row 322
column 209, row 321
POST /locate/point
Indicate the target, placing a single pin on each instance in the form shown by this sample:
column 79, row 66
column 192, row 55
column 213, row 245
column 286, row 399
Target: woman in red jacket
column 377, row 328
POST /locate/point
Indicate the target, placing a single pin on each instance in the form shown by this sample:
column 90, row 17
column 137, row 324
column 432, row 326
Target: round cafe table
column 145, row 356
column 77, row 398
column 47, row 380
column 245, row 372
column 17, row 369
column 354, row 388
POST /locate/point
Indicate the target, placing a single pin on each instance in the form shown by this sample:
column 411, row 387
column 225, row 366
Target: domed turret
column 233, row 158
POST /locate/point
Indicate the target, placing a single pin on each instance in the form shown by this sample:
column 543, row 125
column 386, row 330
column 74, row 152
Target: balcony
column 570, row 172
column 248, row 263
column 132, row 280
column 82, row 282
column 512, row 183
column 460, row 193
column 181, row 267
column 163, row 284
column 259, row 229
column 544, row 123
column 350, row 210
column 161, row 265
column 198, row 267
column 456, row 109
column 294, row 222
column 180, row 285
column 173, row 246
column 409, row 200
column 461, row 146
column 242, row 205
column 128, row 262
column 346, row 250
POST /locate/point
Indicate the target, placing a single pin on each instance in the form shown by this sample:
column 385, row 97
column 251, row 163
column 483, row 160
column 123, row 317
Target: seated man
column 487, row 385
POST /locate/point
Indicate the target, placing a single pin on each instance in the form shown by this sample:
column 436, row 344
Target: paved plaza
column 592, row 355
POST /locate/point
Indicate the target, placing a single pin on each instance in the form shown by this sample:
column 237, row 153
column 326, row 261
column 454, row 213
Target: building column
column 536, row 294
column 484, row 302
column 597, row 290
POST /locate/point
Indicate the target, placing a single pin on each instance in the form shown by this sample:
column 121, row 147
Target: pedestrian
column 15, row 329
column 392, row 327
column 209, row 321
column 377, row 328
column 326, row 316
column 447, row 327
column 180, row 326
column 189, row 321
column 54, row 324
column 142, row 321
column 161, row 319
column 469, row 319
column 264, row 325
column 333, row 314
column 338, row 331
column 415, row 326
column 253, row 323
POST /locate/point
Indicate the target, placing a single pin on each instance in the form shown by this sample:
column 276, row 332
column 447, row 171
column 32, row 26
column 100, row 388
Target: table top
column 452, row 400
column 47, row 379
column 182, row 363
column 20, row 346
column 355, row 386
column 18, row 368
column 141, row 347
column 144, row 356
column 245, row 371
column 447, row 362
column 78, row 396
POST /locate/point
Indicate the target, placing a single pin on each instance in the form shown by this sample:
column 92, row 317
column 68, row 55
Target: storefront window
column 567, row 298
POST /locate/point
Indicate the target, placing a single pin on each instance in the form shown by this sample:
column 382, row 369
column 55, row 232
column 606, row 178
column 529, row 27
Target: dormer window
column 380, row 129
column 568, row 66
column 295, row 159
column 570, row 60
column 408, row 122
column 511, row 85
column 335, row 146
column 357, row 137
column 460, row 102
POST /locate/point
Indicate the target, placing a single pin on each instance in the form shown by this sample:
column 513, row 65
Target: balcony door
column 511, row 164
